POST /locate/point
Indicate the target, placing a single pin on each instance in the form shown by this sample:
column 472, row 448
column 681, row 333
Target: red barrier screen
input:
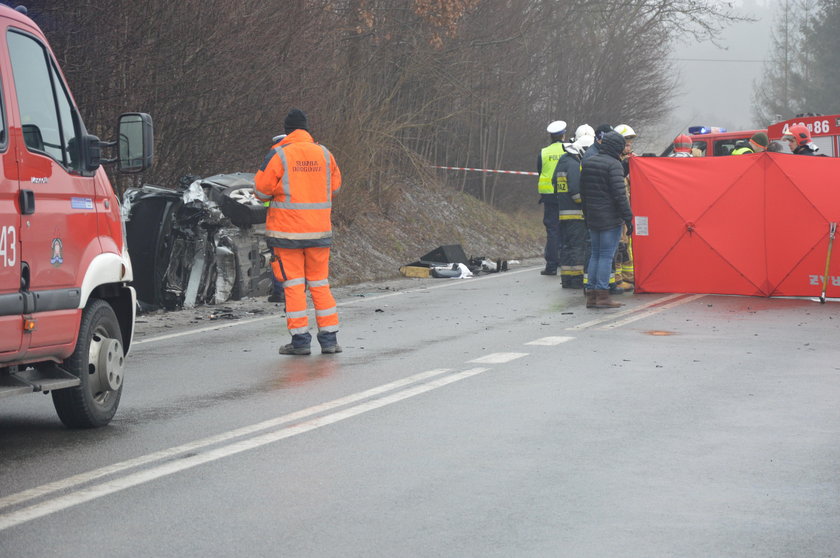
column 748, row 224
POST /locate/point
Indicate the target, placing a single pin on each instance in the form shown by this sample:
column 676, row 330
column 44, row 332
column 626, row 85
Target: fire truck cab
column 825, row 132
column 711, row 141
column 66, row 305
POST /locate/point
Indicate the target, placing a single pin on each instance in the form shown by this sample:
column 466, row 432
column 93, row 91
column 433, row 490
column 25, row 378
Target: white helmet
column 584, row 130
column 625, row 131
column 582, row 143
column 556, row 127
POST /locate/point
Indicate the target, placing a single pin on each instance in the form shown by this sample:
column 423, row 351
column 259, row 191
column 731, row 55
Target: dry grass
column 422, row 218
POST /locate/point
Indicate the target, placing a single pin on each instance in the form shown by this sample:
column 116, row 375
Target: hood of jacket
column 296, row 136
column 612, row 144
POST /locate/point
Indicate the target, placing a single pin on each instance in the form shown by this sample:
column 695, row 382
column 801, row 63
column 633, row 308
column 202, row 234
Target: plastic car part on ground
column 186, row 250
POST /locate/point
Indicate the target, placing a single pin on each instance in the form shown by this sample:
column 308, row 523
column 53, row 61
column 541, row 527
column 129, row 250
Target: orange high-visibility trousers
column 301, row 268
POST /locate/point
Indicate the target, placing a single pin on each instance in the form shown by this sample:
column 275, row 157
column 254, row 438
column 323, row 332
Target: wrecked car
column 199, row 243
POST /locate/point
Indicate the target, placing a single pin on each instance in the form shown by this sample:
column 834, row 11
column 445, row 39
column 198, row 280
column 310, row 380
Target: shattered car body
column 202, row 243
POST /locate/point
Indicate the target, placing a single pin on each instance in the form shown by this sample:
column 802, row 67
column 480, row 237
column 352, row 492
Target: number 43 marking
column 8, row 246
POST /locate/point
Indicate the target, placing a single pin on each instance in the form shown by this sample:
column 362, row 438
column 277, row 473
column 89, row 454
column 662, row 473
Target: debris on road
column 450, row 261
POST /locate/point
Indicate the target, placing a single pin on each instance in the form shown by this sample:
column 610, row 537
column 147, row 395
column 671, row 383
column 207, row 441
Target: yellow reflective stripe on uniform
column 562, row 182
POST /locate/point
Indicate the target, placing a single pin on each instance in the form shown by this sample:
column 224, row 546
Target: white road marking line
column 613, row 315
column 497, row 358
column 203, row 329
column 549, row 341
column 76, row 480
column 651, row 312
column 344, row 303
column 91, row 493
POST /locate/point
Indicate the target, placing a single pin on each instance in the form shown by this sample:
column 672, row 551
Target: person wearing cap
column 798, row 137
column 546, row 163
column 299, row 178
column 682, row 146
column 573, row 235
column 756, row 144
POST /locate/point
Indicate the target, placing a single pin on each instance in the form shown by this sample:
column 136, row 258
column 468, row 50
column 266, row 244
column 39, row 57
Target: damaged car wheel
column 241, row 206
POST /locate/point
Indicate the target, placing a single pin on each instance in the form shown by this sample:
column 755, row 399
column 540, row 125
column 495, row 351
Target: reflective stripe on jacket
column 567, row 184
column 548, row 161
column 742, row 151
column 298, row 178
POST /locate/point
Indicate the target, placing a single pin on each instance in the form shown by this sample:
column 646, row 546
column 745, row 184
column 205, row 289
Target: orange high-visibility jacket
column 298, row 178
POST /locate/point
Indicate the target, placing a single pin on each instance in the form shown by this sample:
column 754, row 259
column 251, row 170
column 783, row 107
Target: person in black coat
column 606, row 210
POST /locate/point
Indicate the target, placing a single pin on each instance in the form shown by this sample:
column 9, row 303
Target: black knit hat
column 601, row 130
column 295, row 120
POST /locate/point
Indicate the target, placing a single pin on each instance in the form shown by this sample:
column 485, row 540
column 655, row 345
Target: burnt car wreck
column 200, row 243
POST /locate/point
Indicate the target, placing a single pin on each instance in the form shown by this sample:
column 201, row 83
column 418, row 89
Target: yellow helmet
column 625, row 131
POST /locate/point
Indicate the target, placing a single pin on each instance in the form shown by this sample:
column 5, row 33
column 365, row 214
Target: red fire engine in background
column 825, row 131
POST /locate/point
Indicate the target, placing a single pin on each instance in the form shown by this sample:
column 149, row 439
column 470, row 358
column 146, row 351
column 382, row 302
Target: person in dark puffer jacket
column 606, row 210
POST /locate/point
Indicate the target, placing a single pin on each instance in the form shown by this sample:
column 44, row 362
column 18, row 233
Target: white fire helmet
column 556, row 127
column 625, row 131
column 584, row 130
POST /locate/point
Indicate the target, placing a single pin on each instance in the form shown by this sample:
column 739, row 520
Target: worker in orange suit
column 298, row 178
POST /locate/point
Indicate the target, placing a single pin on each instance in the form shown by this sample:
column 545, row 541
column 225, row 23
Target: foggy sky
column 717, row 85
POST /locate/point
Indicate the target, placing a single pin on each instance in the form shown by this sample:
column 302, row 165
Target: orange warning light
column 28, row 325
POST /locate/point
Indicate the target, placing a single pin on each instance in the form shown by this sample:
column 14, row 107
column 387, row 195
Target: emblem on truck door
column 57, row 252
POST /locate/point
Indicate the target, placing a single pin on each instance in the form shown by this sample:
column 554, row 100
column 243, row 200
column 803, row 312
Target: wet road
column 493, row 416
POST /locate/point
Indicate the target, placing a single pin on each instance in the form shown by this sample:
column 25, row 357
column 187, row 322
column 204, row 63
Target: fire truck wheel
column 98, row 361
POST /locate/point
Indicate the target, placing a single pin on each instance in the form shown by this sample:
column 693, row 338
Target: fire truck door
column 59, row 235
column 11, row 299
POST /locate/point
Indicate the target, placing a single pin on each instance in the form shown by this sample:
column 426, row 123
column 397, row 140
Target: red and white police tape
column 487, row 170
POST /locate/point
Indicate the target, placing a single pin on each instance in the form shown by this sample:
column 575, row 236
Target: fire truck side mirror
column 135, row 143
column 92, row 152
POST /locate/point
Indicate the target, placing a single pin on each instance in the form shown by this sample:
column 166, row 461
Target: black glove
column 629, row 225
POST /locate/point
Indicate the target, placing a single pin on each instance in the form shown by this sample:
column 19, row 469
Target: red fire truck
column 66, row 304
column 825, row 131
column 711, row 141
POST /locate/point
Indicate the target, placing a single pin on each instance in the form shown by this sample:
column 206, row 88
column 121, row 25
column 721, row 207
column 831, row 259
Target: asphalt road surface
column 492, row 417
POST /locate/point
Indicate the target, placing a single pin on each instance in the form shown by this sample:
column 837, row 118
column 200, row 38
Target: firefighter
column 756, row 144
column 625, row 274
column 799, row 140
column 299, row 178
column 573, row 234
column 546, row 164
column 682, row 146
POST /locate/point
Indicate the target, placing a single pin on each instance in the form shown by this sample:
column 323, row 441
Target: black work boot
column 329, row 342
column 548, row 272
column 300, row 345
